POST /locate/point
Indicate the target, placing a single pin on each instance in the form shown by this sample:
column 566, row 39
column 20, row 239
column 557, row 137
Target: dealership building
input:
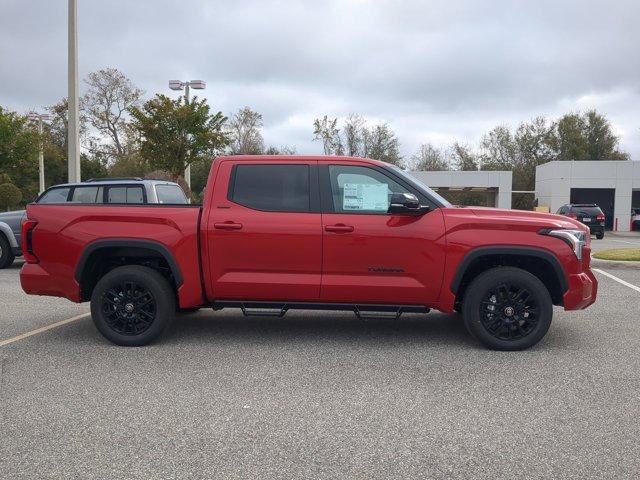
column 613, row 185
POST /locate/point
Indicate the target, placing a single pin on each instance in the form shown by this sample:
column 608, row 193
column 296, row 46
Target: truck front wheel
column 132, row 305
column 507, row 308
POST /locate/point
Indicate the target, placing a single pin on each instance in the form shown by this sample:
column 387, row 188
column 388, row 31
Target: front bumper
column 582, row 292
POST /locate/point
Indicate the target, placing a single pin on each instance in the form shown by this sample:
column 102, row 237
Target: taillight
column 27, row 241
column 600, row 217
column 572, row 215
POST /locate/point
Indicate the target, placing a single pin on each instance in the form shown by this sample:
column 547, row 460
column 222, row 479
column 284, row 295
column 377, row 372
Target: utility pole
column 179, row 85
column 40, row 117
column 73, row 133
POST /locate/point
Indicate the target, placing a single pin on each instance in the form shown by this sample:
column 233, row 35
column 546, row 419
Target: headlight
column 576, row 239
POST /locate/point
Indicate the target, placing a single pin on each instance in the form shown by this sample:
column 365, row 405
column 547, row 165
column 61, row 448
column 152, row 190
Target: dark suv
column 588, row 213
column 119, row 191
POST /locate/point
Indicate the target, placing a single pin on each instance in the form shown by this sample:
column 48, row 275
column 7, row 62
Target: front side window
column 361, row 189
column 87, row 195
column 272, row 188
column 170, row 194
column 125, row 194
column 56, row 195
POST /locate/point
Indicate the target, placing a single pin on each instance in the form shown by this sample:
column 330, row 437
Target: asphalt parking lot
column 321, row 395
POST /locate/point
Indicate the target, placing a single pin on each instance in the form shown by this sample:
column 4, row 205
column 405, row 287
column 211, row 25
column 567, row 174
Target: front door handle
column 339, row 228
column 228, row 225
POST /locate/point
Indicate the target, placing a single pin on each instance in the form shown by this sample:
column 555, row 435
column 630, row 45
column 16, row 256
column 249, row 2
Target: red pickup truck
column 276, row 233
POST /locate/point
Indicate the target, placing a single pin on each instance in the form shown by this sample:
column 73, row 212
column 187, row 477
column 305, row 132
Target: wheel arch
column 532, row 259
column 95, row 260
column 6, row 231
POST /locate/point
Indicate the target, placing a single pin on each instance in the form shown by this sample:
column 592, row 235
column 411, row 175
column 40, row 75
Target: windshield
column 421, row 186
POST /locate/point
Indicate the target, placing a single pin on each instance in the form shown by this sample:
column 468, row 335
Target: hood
column 524, row 217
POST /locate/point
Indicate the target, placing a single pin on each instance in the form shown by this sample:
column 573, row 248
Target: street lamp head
column 176, row 84
column 45, row 117
column 197, row 84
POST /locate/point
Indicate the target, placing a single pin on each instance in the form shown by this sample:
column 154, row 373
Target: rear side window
column 87, row 195
column 56, row 195
column 125, row 194
column 170, row 194
column 272, row 188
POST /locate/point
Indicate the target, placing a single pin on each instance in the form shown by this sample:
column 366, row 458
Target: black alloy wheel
column 509, row 312
column 507, row 308
column 129, row 308
column 132, row 305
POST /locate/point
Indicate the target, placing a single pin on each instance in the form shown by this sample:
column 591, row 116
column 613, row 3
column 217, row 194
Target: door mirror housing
column 406, row 204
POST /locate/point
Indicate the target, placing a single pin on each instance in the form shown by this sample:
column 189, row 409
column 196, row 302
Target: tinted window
column 274, row 188
column 125, row 195
column 56, row 195
column 361, row 189
column 170, row 194
column 87, row 195
column 588, row 211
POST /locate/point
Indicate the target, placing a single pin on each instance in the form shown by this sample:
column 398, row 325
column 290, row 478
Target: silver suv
column 119, row 191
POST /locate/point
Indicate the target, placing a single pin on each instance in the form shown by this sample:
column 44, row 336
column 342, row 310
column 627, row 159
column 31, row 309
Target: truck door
column 264, row 234
column 370, row 256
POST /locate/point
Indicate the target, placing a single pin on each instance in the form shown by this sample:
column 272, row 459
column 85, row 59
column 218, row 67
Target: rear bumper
column 583, row 288
column 35, row 280
column 596, row 228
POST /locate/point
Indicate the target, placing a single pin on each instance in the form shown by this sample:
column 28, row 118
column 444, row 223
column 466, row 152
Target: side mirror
column 406, row 204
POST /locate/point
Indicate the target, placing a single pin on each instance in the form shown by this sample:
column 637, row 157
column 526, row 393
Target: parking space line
column 42, row 329
column 619, row 280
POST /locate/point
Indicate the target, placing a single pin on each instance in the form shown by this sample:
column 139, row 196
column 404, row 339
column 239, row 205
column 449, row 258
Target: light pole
column 179, row 85
column 73, row 140
column 40, row 117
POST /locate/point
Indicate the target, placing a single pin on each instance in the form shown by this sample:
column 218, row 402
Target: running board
column 279, row 309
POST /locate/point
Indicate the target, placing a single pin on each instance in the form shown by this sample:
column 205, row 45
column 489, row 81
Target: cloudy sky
column 436, row 71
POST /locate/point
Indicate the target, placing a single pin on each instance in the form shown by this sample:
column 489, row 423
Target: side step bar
column 362, row 311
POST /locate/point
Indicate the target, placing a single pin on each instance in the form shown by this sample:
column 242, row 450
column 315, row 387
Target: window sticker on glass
column 365, row 196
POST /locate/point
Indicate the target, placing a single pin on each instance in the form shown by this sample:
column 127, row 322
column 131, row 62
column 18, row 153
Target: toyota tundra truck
column 276, row 233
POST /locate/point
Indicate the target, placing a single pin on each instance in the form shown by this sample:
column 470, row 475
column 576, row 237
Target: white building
column 497, row 183
column 613, row 185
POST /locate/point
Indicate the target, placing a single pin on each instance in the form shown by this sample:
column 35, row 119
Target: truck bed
column 66, row 232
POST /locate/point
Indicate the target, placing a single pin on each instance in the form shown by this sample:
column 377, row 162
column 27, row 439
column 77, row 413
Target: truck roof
column 116, row 181
column 293, row 158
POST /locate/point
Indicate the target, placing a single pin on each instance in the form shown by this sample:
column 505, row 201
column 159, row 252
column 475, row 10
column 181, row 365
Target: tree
column 462, row 157
column 354, row 127
column 110, row 97
column 326, row 130
column 381, row 143
column 585, row 136
column 10, row 196
column 19, row 145
column 175, row 134
column 283, row 150
column 244, row 133
column 430, row 158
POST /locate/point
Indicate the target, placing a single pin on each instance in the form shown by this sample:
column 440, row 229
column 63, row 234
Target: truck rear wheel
column 132, row 305
column 507, row 308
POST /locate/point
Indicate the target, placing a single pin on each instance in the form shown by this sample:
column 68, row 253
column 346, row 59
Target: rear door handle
column 229, row 225
column 339, row 228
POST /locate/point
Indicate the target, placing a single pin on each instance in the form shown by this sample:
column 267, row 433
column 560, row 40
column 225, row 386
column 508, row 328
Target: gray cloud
column 435, row 70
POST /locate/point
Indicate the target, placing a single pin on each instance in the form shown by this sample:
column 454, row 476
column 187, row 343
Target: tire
column 600, row 235
column 132, row 305
column 521, row 314
column 6, row 255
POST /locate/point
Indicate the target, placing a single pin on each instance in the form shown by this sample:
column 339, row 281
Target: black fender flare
column 129, row 242
column 511, row 251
